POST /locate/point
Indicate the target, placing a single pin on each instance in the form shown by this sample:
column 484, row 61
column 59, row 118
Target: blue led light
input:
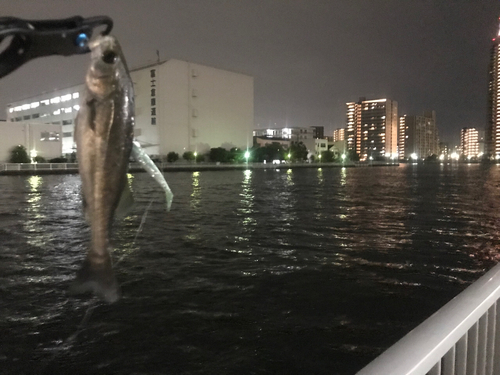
column 82, row 40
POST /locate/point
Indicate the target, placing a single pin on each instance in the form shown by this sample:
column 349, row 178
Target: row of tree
column 275, row 151
column 19, row 154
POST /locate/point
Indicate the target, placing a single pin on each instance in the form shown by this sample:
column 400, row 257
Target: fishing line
column 66, row 344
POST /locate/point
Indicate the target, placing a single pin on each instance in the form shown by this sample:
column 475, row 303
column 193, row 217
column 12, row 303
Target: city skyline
column 307, row 60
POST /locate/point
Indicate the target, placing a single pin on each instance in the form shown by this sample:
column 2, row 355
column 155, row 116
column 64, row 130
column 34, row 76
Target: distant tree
column 268, row 153
column 188, row 155
column 172, row 157
column 18, row 154
column 200, row 158
column 236, row 155
column 352, row 155
column 219, row 154
column 39, row 159
column 58, row 160
column 431, row 158
column 298, row 151
column 327, row 157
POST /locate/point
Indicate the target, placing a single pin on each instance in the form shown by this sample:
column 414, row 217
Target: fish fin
column 98, row 279
column 126, row 202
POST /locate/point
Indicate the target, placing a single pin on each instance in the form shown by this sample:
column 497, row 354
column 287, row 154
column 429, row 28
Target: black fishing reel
column 27, row 40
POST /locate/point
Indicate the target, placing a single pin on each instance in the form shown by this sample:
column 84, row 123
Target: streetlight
column 247, row 155
column 319, row 156
column 343, row 158
column 33, row 155
column 195, row 155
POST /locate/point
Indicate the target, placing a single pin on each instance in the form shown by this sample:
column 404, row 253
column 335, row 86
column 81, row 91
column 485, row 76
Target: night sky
column 308, row 57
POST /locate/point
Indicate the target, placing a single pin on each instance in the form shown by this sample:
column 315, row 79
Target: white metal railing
column 36, row 166
column 462, row 338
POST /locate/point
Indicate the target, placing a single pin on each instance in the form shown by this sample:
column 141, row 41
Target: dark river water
column 303, row 271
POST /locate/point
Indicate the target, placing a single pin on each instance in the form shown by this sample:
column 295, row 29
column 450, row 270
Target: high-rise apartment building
column 420, row 136
column 339, row 134
column 372, row 128
column 469, row 142
column 493, row 127
column 402, row 137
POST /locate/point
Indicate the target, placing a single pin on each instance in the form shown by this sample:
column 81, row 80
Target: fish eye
column 109, row 57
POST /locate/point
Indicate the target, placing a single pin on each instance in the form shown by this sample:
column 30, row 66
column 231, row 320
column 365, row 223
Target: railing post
column 461, row 356
column 472, row 349
column 491, row 334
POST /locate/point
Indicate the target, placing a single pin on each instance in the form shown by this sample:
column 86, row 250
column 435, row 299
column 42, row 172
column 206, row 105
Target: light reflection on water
column 345, row 260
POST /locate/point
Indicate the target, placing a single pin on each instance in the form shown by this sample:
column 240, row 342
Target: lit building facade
column 179, row 106
column 402, row 137
column 469, row 142
column 493, row 127
column 421, row 136
column 372, row 127
column 338, row 134
column 305, row 135
column 39, row 139
column 444, row 148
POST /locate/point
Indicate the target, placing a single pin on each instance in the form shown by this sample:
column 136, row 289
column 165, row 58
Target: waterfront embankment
column 71, row 168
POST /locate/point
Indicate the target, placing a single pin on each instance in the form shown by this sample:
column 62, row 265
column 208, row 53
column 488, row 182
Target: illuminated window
column 35, row 104
column 55, row 100
column 76, row 95
column 65, row 98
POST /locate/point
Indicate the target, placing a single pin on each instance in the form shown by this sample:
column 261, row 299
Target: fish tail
column 96, row 276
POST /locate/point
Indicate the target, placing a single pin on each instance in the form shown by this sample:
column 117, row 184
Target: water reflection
column 195, row 195
column 289, row 179
column 247, row 201
column 320, row 176
column 35, row 215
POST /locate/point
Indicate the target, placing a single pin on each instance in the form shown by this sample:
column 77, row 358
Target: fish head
column 107, row 66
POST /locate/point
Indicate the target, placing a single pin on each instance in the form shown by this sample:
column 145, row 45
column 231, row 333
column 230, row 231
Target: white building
column 320, row 145
column 180, row 106
column 291, row 134
column 39, row 139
